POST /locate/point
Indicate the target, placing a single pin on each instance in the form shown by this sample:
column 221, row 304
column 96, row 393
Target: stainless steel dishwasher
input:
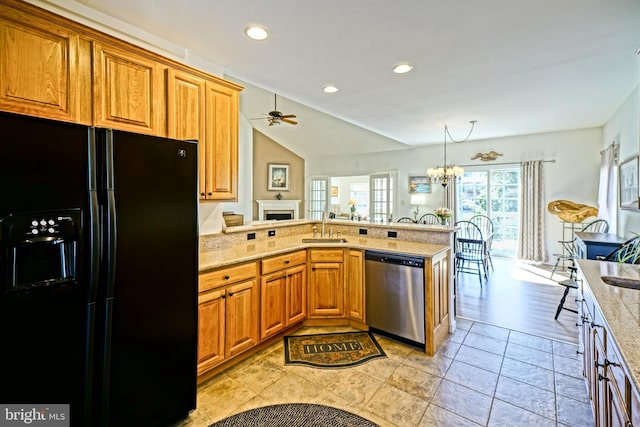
column 395, row 301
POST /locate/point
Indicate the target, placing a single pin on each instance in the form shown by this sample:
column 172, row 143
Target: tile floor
column 483, row 375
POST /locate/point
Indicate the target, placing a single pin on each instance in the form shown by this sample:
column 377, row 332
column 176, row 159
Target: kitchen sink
column 623, row 282
column 325, row 240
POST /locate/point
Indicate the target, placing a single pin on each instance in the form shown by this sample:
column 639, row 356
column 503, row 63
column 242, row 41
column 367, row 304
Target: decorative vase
column 444, row 221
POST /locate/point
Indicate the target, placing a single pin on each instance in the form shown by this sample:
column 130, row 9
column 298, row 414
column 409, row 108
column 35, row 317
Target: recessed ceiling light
column 256, row 33
column 402, row 68
column 330, row 89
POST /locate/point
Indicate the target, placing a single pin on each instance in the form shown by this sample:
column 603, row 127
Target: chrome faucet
column 324, row 222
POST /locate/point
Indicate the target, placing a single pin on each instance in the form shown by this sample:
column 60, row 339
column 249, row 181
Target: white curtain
column 531, row 247
column 607, row 194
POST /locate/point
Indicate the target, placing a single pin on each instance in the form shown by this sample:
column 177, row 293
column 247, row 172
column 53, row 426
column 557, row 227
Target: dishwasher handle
column 390, row 258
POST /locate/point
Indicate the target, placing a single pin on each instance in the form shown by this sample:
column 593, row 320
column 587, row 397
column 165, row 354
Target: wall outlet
column 251, row 236
column 392, row 234
column 272, row 233
column 362, row 231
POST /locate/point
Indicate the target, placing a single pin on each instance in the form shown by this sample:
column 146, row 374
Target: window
column 381, row 197
column 360, row 193
column 318, row 197
column 495, row 193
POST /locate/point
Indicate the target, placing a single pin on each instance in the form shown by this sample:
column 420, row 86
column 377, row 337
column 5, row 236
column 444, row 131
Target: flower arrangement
column 443, row 214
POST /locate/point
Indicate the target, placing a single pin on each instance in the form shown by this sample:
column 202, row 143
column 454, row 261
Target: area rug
column 337, row 350
column 295, row 415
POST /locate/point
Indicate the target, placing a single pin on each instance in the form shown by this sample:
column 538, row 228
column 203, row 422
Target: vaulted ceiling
column 517, row 67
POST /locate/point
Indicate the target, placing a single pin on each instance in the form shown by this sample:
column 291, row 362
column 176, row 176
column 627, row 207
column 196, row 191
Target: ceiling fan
column 276, row 117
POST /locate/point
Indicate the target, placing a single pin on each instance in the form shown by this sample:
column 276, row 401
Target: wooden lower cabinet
column 437, row 301
column 326, row 297
column 355, row 285
column 282, row 293
column 227, row 319
column 613, row 399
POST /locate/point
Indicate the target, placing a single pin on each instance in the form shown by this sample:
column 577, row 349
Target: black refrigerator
column 98, row 272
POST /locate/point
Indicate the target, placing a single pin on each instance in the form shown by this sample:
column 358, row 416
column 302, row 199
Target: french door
column 496, row 194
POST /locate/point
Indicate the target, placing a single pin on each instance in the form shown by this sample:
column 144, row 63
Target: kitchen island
column 264, row 280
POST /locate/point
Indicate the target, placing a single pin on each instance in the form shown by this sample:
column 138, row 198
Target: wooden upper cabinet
column 45, row 70
column 185, row 105
column 220, row 148
column 128, row 91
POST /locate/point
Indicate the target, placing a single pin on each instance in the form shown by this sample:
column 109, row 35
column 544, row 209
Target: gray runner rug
column 295, row 415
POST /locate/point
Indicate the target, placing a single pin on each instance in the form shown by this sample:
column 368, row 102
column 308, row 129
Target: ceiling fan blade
column 289, row 116
column 291, row 122
column 259, row 118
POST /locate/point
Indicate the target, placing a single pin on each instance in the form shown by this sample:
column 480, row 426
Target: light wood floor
column 519, row 297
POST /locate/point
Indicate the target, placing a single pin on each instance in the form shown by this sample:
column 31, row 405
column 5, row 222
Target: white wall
column 623, row 128
column 573, row 176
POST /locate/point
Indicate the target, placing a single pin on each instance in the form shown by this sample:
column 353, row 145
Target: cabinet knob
column 230, row 294
column 287, row 261
column 202, row 194
column 598, row 365
column 602, row 378
column 223, row 296
column 595, row 325
column 226, row 277
column 210, row 193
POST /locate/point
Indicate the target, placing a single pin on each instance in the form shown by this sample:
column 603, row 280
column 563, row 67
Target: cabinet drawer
column 226, row 276
column 327, row 255
column 276, row 263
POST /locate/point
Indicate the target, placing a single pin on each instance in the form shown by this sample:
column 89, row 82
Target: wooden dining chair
column 569, row 250
column 429, row 218
column 470, row 254
column 406, row 219
column 486, row 226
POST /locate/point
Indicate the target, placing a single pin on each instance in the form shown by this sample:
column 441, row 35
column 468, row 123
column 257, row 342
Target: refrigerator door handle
column 111, row 227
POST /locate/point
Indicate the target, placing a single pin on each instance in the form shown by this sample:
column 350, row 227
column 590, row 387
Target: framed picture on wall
column 419, row 184
column 628, row 183
column 334, row 191
column 278, row 177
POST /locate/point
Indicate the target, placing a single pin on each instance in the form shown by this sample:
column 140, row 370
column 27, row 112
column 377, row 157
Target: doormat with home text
column 339, row 350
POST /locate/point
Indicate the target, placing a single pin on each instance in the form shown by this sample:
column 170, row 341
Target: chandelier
column 448, row 173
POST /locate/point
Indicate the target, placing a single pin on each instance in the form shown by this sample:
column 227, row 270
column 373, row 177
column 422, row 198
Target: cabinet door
column 45, row 70
column 128, row 91
column 272, row 303
column 221, row 143
column 296, row 294
column 186, row 114
column 616, row 410
column 242, row 317
column 437, row 301
column 355, row 285
column 326, row 290
column 211, row 337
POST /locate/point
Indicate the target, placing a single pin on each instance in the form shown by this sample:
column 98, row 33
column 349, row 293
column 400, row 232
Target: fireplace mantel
column 278, row 205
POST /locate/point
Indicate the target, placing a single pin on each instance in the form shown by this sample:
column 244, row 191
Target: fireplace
column 278, row 215
column 278, row 209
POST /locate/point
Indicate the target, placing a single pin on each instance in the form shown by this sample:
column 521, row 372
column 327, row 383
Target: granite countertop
column 620, row 308
column 256, row 249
